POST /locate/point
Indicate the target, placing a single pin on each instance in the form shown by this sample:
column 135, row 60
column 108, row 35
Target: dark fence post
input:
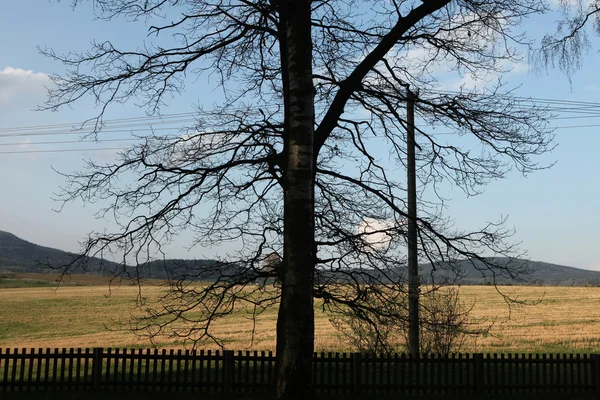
column 228, row 370
column 356, row 374
column 97, row 359
column 596, row 370
column 478, row 372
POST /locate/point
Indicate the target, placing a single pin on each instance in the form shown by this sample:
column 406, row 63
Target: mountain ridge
column 19, row 255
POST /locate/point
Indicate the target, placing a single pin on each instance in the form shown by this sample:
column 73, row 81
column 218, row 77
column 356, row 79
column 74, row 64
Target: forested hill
column 540, row 273
column 18, row 255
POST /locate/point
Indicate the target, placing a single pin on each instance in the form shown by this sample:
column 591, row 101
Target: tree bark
column 295, row 324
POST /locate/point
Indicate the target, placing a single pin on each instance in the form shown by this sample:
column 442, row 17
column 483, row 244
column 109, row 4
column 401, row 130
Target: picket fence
column 334, row 373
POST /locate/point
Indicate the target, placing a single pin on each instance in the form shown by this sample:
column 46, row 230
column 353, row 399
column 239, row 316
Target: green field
column 86, row 313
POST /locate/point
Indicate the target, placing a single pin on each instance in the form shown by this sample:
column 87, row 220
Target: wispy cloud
column 21, row 89
column 453, row 81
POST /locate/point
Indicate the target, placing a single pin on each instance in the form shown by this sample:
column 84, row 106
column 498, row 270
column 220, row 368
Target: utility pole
column 413, row 267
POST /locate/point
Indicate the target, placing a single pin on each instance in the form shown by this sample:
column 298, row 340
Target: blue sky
column 553, row 211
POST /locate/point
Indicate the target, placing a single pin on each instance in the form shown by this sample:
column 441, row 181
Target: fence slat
column 270, row 376
column 97, row 364
column 86, row 370
column 124, row 367
column 575, row 372
column 478, row 373
column 13, row 372
column 262, row 370
column 154, row 383
column 21, row 366
column 4, row 365
column 29, row 383
column 128, row 367
column 138, row 369
column 356, row 373
column 201, row 372
column 193, row 373
column 108, row 357
column 215, row 360
column 320, row 367
column 38, row 371
column 178, row 374
column 521, row 371
column 47, row 369
column 115, row 371
column 163, row 361
column 70, row 369
column 171, row 384
column 247, row 370
column 228, row 370
column 208, row 371
column 255, row 360
column 345, row 373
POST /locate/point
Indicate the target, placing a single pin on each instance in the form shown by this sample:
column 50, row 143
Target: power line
column 72, row 125
column 167, row 128
column 523, row 98
column 88, row 133
column 146, row 119
column 140, row 138
column 135, row 139
column 69, row 142
column 589, row 109
column 142, row 120
column 59, row 150
column 133, row 125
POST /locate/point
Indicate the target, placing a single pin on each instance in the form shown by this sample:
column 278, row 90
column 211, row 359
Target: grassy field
column 16, row 280
column 567, row 319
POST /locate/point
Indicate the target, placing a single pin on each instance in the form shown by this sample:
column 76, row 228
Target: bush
column 446, row 322
column 376, row 327
column 381, row 325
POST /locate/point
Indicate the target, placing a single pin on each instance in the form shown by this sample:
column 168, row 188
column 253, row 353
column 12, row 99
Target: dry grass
column 567, row 320
column 51, row 279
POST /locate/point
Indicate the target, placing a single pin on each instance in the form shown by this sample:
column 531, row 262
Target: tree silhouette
column 565, row 47
column 301, row 158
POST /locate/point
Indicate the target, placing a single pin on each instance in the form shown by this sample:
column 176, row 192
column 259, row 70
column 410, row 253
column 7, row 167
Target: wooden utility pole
column 413, row 267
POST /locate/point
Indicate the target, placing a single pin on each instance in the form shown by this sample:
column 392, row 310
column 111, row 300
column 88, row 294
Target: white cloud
column 467, row 82
column 374, row 231
column 471, row 81
column 21, row 89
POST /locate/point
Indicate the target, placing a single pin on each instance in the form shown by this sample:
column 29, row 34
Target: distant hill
column 18, row 255
column 540, row 273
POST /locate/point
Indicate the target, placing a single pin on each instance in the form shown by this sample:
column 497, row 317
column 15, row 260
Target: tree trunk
column 295, row 323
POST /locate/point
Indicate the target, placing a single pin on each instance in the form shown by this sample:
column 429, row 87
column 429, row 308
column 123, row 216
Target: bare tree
column 300, row 171
column 565, row 47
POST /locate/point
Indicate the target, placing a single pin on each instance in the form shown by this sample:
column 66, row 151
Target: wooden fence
column 335, row 373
